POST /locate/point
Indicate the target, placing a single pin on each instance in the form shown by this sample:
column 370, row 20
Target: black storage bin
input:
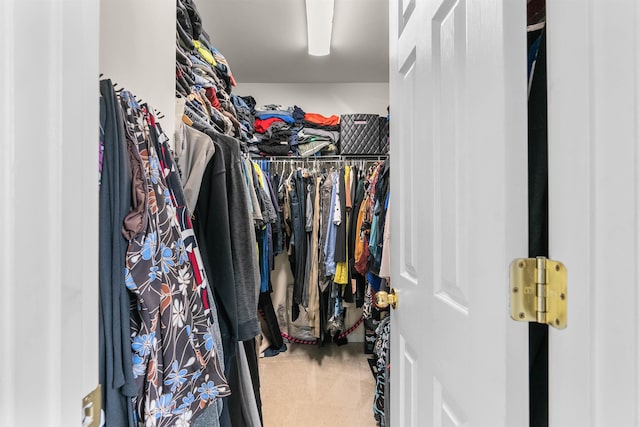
column 360, row 134
column 384, row 135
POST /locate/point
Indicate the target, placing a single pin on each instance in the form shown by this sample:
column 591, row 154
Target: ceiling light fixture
column 319, row 26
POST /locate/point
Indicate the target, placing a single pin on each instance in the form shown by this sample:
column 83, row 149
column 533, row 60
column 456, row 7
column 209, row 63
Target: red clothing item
column 322, row 120
column 213, row 98
column 261, row 126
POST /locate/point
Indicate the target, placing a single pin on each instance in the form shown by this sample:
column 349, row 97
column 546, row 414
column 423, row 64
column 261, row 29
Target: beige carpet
column 309, row 386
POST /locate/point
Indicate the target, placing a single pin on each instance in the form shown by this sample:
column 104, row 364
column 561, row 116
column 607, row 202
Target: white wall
column 137, row 51
column 322, row 98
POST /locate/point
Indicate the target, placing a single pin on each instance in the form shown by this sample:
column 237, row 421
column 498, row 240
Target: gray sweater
column 193, row 150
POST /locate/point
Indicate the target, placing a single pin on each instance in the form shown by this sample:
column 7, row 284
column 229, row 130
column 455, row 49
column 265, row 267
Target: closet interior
column 229, row 232
column 538, row 200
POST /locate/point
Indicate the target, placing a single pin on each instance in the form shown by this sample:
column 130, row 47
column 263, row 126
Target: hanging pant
column 273, row 329
column 297, row 196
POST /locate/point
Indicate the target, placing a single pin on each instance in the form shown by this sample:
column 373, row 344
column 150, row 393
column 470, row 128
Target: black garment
column 278, row 227
column 211, row 225
column 352, row 214
column 115, row 362
column 188, row 18
column 274, row 149
column 232, row 405
column 361, row 289
column 274, row 226
column 233, row 414
column 277, row 133
column 314, row 125
column 187, row 74
column 273, row 329
column 325, row 313
column 267, row 208
column 194, row 18
column 361, row 282
column 252, row 359
column 538, row 233
column 223, row 73
column 251, row 103
column 181, row 57
column 181, row 87
column 184, row 38
column 242, row 236
column 243, row 111
column 298, row 114
column 298, row 200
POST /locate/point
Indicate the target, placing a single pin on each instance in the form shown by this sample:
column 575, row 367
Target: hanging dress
column 174, row 362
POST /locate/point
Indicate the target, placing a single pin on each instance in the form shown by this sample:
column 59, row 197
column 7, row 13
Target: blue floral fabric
column 381, row 351
column 175, row 364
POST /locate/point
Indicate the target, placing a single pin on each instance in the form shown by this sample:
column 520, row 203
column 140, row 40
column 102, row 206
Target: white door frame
column 594, row 209
column 49, row 213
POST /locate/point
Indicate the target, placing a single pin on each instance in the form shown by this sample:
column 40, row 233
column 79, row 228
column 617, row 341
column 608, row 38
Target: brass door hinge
column 539, row 291
column 92, row 408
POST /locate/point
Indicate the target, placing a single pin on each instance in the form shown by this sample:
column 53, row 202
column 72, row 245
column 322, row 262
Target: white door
column 594, row 210
column 459, row 192
column 49, row 210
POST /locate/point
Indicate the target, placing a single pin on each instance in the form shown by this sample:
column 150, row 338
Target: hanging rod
column 329, row 158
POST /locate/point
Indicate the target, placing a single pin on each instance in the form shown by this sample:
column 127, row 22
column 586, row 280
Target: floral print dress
column 174, row 359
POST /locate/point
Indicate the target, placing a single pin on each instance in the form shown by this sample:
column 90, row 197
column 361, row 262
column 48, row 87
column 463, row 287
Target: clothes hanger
column 186, row 120
column 536, row 27
column 292, row 170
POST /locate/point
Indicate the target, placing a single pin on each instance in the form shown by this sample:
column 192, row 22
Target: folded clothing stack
column 276, row 129
column 319, row 135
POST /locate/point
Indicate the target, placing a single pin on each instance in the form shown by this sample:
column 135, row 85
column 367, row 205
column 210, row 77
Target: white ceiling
column 265, row 41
